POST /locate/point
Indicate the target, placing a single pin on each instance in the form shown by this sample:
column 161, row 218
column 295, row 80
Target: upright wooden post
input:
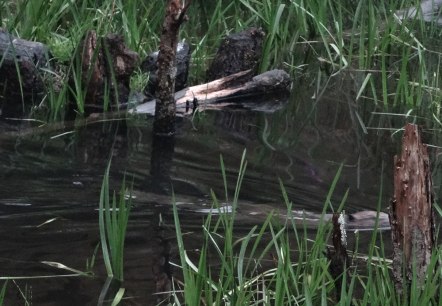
column 411, row 213
column 165, row 108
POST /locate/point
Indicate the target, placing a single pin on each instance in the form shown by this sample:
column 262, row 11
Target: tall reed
column 280, row 263
column 113, row 220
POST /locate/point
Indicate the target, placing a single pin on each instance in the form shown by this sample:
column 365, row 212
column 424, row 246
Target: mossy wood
column 411, row 213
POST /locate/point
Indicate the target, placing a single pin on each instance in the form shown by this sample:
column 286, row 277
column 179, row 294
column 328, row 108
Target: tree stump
column 237, row 52
column 106, row 66
column 411, row 213
column 22, row 65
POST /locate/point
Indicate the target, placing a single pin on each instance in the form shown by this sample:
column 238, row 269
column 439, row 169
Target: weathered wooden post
column 165, row 108
column 411, row 213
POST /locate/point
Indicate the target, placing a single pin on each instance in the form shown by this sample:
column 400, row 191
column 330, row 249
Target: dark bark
column 106, row 64
column 150, row 66
column 21, row 77
column 411, row 212
column 165, row 110
column 237, row 52
column 338, row 257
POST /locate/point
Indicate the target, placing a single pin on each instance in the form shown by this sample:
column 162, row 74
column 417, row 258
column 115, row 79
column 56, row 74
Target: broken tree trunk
column 251, row 92
column 164, row 123
column 338, row 257
column 411, row 213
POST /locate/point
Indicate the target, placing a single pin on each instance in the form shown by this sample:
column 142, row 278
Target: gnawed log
column 411, row 212
column 240, row 89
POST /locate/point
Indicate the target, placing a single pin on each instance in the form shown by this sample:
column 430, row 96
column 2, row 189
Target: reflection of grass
column 2, row 293
column 113, row 224
column 276, row 263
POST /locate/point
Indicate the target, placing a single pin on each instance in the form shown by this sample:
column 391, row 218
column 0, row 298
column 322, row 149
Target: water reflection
column 58, row 180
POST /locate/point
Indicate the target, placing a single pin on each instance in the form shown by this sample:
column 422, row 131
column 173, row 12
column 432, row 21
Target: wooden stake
column 165, row 110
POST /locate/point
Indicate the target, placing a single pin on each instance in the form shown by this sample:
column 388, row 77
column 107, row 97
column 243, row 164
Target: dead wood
column 237, row 52
column 22, row 66
column 149, row 65
column 338, row 256
column 240, row 89
column 165, row 110
column 411, row 212
column 106, row 66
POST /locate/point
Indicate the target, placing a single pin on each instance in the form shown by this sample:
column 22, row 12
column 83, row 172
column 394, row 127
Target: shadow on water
column 51, row 180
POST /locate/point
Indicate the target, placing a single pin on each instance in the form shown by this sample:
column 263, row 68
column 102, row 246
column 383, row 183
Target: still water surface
column 50, row 186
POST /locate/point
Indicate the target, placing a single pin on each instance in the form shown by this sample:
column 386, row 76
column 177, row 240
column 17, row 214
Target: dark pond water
column 51, row 178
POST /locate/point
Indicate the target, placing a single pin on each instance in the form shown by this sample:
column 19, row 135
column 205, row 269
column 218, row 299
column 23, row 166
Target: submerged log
column 22, row 65
column 411, row 212
column 240, row 89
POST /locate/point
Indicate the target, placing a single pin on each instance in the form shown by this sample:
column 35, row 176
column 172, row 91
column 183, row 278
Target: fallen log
column 241, row 89
column 411, row 212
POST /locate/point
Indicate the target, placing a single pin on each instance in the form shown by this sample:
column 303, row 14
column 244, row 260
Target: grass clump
column 394, row 63
column 278, row 263
column 113, row 219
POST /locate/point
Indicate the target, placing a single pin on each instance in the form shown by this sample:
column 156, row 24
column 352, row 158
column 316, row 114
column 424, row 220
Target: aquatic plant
column 113, row 219
column 3, row 292
column 278, row 263
column 393, row 62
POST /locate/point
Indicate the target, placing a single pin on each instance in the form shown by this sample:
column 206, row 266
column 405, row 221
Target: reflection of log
column 411, row 215
column 239, row 86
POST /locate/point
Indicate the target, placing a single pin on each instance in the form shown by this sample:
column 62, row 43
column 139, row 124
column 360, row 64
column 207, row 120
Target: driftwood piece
column 106, row 65
column 240, row 89
column 149, row 65
column 237, row 52
column 28, row 58
column 411, row 213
